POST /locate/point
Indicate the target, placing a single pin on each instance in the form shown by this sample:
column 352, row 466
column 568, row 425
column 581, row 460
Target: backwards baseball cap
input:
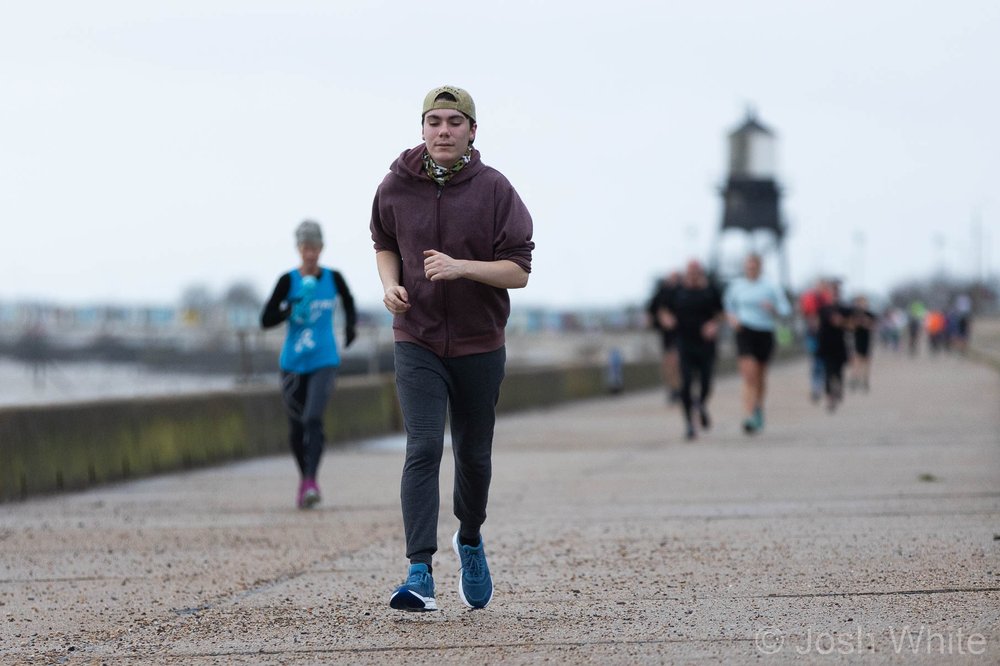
column 463, row 101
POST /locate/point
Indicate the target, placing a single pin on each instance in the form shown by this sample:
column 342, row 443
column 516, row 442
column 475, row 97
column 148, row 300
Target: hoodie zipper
column 444, row 284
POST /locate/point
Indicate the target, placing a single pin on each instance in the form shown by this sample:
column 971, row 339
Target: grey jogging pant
column 429, row 387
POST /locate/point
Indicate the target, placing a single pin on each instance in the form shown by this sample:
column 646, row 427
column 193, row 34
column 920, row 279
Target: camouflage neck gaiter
column 440, row 174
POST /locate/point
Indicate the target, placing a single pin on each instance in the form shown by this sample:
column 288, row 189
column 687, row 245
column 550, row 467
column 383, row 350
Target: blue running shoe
column 417, row 593
column 758, row 418
column 475, row 585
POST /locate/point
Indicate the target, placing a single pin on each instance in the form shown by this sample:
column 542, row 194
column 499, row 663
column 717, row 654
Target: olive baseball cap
column 463, row 101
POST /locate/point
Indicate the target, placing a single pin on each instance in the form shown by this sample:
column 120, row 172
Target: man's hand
column 710, row 329
column 667, row 320
column 396, row 300
column 439, row 266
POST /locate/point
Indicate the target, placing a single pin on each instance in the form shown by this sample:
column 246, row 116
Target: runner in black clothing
column 834, row 322
column 694, row 311
column 863, row 321
column 668, row 337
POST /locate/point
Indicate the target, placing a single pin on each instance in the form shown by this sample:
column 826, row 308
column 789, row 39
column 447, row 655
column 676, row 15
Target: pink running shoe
column 308, row 494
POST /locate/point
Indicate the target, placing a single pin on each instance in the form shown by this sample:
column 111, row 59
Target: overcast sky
column 149, row 146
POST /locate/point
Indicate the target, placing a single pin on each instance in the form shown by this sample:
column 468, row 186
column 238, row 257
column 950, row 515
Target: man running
column 834, row 322
column 694, row 311
column 668, row 337
column 451, row 237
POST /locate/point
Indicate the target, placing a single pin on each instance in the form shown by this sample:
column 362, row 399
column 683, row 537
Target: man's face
column 694, row 273
column 447, row 134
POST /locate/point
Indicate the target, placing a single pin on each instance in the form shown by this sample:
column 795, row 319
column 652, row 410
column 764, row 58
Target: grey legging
column 305, row 399
column 428, row 386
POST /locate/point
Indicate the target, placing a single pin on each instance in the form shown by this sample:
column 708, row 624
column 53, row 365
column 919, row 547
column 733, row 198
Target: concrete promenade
column 872, row 534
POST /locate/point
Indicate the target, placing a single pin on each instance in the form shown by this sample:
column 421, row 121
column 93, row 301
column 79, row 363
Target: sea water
column 66, row 382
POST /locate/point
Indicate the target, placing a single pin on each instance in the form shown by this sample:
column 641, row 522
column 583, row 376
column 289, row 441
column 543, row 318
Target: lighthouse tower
column 751, row 196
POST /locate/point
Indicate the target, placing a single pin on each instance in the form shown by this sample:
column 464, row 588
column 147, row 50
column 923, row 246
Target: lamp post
column 859, row 258
column 940, row 243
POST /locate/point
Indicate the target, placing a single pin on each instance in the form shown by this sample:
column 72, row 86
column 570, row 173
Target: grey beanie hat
column 308, row 233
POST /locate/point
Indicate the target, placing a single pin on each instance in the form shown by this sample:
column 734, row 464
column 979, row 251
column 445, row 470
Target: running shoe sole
column 408, row 600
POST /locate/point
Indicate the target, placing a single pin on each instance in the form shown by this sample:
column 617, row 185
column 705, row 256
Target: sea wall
column 68, row 447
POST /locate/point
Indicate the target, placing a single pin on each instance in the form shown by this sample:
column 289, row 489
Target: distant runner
column 694, row 311
column 305, row 297
column 753, row 306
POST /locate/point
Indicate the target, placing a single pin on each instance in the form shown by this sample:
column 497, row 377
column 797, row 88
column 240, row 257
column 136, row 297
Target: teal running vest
column 311, row 345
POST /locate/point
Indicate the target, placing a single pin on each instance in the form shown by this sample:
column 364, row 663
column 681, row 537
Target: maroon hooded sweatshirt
column 476, row 215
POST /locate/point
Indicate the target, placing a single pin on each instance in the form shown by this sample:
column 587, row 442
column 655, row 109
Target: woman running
column 305, row 297
column 753, row 306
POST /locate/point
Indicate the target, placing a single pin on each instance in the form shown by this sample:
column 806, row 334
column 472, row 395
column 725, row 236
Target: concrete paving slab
column 871, row 534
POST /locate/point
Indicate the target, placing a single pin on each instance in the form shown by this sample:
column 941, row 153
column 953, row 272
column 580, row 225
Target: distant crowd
column 688, row 310
column 946, row 328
